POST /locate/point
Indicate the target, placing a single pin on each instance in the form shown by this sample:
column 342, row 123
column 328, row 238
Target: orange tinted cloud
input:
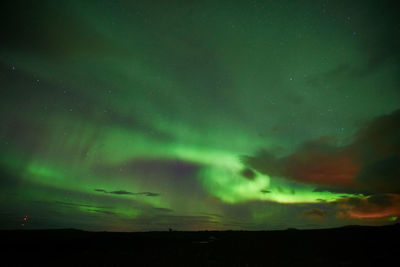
column 370, row 164
column 375, row 207
column 336, row 169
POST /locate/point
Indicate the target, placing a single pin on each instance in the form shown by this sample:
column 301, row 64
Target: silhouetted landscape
column 346, row 246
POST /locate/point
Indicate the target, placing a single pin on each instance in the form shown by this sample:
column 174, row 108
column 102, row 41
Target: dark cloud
column 341, row 189
column 315, row 214
column 178, row 177
column 119, row 192
column 123, row 192
column 379, row 42
column 248, row 173
column 378, row 149
column 101, row 190
column 149, row 194
column 369, row 164
column 315, row 162
column 75, row 204
column 104, row 212
column 383, row 42
column 375, row 207
column 346, row 71
column 340, row 71
column 382, row 175
column 164, row 209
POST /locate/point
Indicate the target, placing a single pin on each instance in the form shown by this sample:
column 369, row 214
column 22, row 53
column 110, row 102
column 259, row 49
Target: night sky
column 199, row 115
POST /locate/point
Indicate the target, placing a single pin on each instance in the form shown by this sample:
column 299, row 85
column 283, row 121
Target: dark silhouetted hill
column 346, row 246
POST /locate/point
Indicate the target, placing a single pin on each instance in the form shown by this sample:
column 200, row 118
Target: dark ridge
column 355, row 226
column 344, row 246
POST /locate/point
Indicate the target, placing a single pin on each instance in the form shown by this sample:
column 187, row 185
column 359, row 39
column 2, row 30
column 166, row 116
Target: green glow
column 154, row 106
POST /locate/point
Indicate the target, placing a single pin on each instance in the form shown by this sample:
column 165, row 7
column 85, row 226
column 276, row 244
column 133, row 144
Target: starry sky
column 199, row 115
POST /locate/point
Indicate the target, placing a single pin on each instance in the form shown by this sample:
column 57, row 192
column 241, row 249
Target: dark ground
column 347, row 246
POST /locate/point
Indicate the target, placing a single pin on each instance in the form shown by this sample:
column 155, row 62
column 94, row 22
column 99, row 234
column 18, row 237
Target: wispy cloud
column 123, row 192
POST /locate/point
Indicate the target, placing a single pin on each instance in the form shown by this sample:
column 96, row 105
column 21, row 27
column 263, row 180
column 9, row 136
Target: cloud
column 315, row 214
column 105, row 212
column 101, row 190
column 315, row 162
column 123, row 192
column 163, row 209
column 382, row 175
column 370, row 164
column 374, row 207
column 149, row 194
column 383, row 44
column 380, row 47
column 248, row 173
column 119, row 192
column 176, row 176
column 74, row 204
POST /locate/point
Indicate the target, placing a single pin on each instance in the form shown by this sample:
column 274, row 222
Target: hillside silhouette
column 346, row 246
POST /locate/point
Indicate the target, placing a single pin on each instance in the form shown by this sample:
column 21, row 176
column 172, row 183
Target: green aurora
column 134, row 116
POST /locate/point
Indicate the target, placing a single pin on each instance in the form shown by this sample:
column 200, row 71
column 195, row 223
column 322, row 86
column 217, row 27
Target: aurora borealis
column 195, row 115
